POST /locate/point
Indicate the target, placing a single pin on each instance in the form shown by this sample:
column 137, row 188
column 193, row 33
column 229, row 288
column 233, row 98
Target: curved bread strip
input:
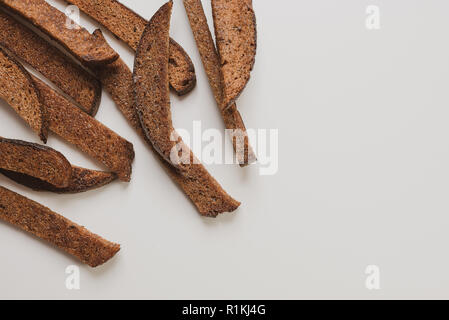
column 19, row 91
column 35, row 160
column 88, row 134
column 203, row 190
column 129, row 26
column 51, row 21
column 82, row 180
column 40, row 221
column 236, row 36
column 211, row 62
column 71, row 78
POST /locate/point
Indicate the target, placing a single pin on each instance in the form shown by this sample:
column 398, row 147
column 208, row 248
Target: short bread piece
column 86, row 133
column 35, row 160
column 40, row 221
column 20, row 92
column 211, row 62
column 77, row 40
column 129, row 26
column 71, row 78
column 82, row 180
column 236, row 36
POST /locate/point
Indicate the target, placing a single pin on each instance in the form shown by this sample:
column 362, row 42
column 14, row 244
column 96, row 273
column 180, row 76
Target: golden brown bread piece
column 82, row 180
column 51, row 63
column 211, row 62
column 236, row 36
column 129, row 26
column 78, row 41
column 202, row 189
column 20, row 92
column 40, row 221
column 86, row 133
column 35, row 160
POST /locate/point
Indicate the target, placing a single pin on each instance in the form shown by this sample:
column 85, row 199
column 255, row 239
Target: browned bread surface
column 40, row 221
column 129, row 26
column 211, row 63
column 20, row 92
column 203, row 190
column 236, row 36
column 82, row 180
column 35, row 160
column 51, row 21
column 86, row 133
column 51, row 63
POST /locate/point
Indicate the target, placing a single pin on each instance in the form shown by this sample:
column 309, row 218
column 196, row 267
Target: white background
column 363, row 171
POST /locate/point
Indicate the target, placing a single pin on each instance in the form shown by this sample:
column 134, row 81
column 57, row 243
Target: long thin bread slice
column 77, row 40
column 71, row 78
column 42, row 222
column 211, row 62
column 151, row 75
column 35, row 160
column 205, row 193
column 86, row 133
column 129, row 26
column 82, row 180
column 20, row 92
column 236, row 36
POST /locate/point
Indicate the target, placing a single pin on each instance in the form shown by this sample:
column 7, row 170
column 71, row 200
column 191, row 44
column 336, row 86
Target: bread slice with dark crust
column 236, row 37
column 129, row 26
column 20, row 92
column 211, row 62
column 86, row 133
column 35, row 160
column 47, row 225
column 151, row 76
column 82, row 180
column 78, row 41
column 71, row 78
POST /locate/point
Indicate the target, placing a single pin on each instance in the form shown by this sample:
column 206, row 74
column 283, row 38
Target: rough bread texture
column 86, row 133
column 129, row 26
column 71, row 78
column 20, row 92
column 40, row 221
column 203, row 190
column 211, row 62
column 35, row 160
column 236, row 36
column 77, row 40
column 82, row 180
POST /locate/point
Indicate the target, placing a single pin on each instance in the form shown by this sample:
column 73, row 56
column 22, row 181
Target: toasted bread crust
column 211, row 62
column 129, row 26
column 236, row 36
column 51, row 63
column 40, row 221
column 82, row 180
column 20, row 92
column 51, row 21
column 86, row 133
column 35, row 160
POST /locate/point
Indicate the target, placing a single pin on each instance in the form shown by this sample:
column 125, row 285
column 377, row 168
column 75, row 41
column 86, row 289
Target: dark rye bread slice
column 128, row 26
column 202, row 189
column 71, row 78
column 35, row 160
column 86, row 133
column 236, row 37
column 47, row 225
column 78, row 41
column 82, row 180
column 20, row 92
column 211, row 62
